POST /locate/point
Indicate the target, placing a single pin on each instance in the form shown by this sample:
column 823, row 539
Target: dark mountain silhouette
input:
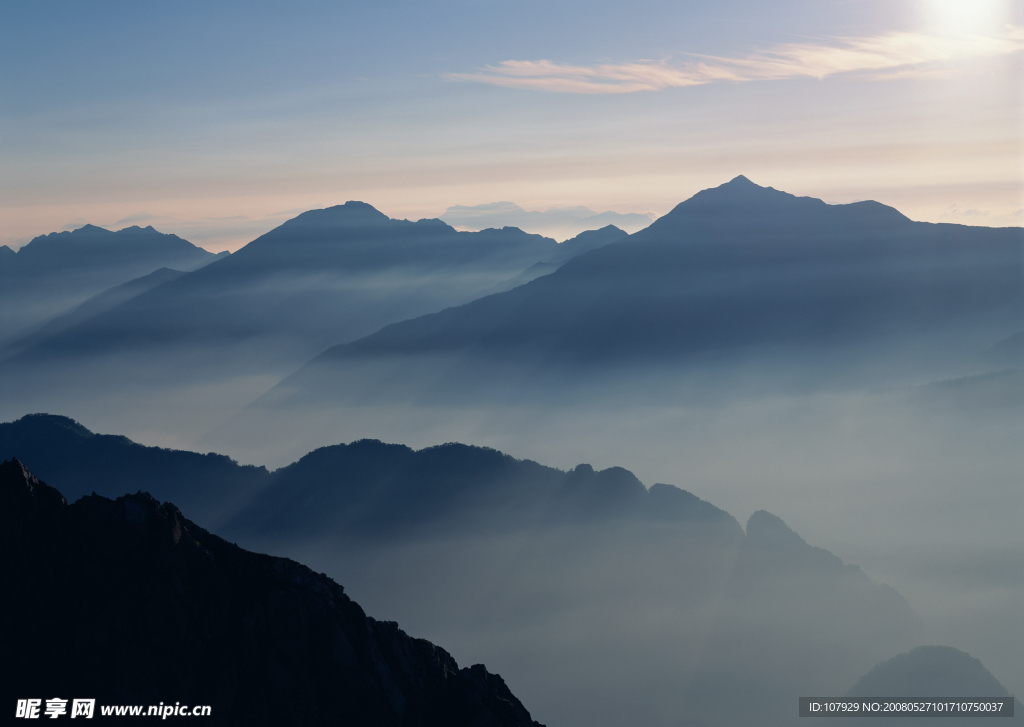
column 732, row 271
column 389, row 492
column 661, row 588
column 63, row 451
column 129, row 602
column 363, row 490
column 55, row 272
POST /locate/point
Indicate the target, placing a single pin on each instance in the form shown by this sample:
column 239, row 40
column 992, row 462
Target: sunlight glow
column 965, row 16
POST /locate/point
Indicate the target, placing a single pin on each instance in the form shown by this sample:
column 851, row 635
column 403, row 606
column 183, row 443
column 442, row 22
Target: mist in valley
column 820, row 441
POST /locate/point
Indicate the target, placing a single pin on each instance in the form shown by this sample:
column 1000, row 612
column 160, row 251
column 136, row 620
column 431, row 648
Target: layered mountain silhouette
column 128, row 602
column 56, row 272
column 388, row 492
column 778, row 626
column 640, row 589
column 738, row 270
column 325, row 276
column 364, row 490
column 63, row 451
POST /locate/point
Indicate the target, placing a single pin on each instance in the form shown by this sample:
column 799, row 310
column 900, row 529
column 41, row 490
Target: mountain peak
column 741, row 191
column 939, row 671
column 135, row 230
column 740, row 203
column 767, row 530
column 351, row 214
column 88, row 229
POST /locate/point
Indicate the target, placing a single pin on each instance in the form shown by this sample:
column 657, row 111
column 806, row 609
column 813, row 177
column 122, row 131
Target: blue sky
column 219, row 120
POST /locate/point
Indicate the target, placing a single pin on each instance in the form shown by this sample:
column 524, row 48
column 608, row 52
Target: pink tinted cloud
column 905, row 54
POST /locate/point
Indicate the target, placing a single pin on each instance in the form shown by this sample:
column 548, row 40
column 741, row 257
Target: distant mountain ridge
column 326, row 275
column 55, row 272
column 733, row 269
column 78, row 247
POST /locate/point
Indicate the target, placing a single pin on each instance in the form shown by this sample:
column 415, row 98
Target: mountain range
column 498, row 556
column 365, row 490
column 737, row 272
column 325, row 276
column 53, row 273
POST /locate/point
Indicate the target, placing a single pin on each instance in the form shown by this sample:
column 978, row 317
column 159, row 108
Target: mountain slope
column 213, row 340
column 56, row 272
column 130, row 603
column 364, row 490
column 380, row 492
column 777, row 637
column 324, row 276
column 64, row 452
column 732, row 271
column 602, row 600
column 56, row 330
column 934, row 672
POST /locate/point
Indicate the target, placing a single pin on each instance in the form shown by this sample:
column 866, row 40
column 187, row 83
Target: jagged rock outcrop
column 129, row 602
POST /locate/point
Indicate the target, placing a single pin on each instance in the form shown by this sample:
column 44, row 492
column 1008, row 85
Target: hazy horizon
column 225, row 121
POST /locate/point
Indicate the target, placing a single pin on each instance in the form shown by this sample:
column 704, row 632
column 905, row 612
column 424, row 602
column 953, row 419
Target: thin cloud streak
column 891, row 55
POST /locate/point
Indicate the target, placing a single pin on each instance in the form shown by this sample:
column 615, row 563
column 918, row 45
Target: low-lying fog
column 924, row 494
column 921, row 486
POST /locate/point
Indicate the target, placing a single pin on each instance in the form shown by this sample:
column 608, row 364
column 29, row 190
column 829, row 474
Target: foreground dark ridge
column 129, row 602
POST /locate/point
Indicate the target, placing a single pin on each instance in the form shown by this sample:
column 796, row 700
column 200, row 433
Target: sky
column 218, row 121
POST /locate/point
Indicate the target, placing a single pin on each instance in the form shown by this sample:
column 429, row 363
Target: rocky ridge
column 129, row 602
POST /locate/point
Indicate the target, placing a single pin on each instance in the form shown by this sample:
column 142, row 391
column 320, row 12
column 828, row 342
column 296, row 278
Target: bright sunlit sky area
column 218, row 121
